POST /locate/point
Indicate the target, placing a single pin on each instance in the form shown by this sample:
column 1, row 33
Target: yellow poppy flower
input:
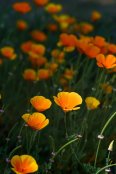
column 92, row 103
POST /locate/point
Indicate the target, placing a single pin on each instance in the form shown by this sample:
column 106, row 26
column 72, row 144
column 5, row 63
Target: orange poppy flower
column 36, row 121
column 21, row 25
column 58, row 55
column 41, row 2
column 104, row 49
column 29, row 74
column 112, row 48
column 44, row 74
column 96, row 15
column 38, row 61
column 68, row 40
column 24, row 164
column 99, row 41
column 38, row 35
column 52, row 27
column 40, row 103
column 68, row 101
column 52, row 66
column 8, row 52
column 106, row 62
column 64, row 21
column 82, row 44
column 22, row 7
column 69, row 74
column 92, row 51
column 53, row 8
column 86, row 28
column 37, row 49
column 26, row 46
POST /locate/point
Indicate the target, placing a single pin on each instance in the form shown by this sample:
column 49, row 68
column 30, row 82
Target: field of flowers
column 57, row 91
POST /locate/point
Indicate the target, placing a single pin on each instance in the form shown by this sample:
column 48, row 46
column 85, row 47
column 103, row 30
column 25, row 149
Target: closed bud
column 110, row 148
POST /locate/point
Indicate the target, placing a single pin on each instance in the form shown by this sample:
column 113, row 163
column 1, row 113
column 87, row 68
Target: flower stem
column 102, row 131
column 65, row 145
column 11, row 153
column 65, row 124
column 105, row 168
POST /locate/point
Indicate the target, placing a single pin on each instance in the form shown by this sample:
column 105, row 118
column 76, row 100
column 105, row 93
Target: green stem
column 14, row 150
column 102, row 131
column 65, row 145
column 65, row 124
column 96, row 156
column 107, row 123
column 32, row 140
column 105, row 168
column 11, row 153
column 12, row 130
column 108, row 158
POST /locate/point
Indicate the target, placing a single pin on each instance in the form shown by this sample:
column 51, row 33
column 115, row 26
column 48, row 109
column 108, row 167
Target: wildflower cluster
column 57, row 91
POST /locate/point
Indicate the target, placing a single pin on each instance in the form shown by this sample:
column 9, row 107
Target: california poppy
column 92, row 51
column 58, row 55
column 38, row 60
column 8, row 52
column 24, row 164
column 68, row 40
column 30, row 74
column 36, row 121
column 106, row 62
column 53, row 8
column 112, row 48
column 40, row 103
column 95, row 16
column 22, row 25
column 37, row 49
column 86, row 27
column 99, row 41
column 44, row 74
column 64, row 20
column 22, row 7
column 68, row 101
column 41, row 2
column 26, row 46
column 92, row 103
column 38, row 35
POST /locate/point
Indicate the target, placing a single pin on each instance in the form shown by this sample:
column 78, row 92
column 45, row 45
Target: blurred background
column 80, row 8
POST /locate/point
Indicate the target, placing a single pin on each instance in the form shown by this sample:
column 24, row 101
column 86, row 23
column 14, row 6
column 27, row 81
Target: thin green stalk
column 107, row 123
column 11, row 153
column 21, row 129
column 65, row 145
column 108, row 158
column 99, row 80
column 32, row 140
column 105, row 168
column 11, row 131
column 102, row 131
column 65, row 124
column 59, row 150
column 26, row 137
